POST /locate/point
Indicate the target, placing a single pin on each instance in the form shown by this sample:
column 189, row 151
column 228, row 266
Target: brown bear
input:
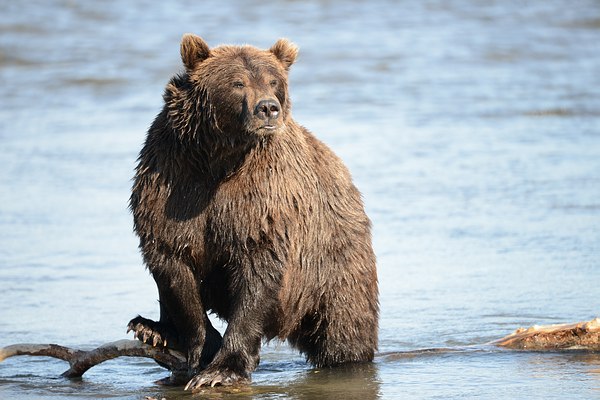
column 242, row 212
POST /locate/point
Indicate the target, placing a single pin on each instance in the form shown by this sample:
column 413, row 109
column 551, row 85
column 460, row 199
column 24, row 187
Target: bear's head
column 235, row 93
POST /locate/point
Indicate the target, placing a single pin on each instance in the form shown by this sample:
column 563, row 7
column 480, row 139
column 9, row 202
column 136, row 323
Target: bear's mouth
column 264, row 128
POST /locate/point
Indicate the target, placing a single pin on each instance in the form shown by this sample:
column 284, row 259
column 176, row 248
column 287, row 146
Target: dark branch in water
column 577, row 336
column 80, row 361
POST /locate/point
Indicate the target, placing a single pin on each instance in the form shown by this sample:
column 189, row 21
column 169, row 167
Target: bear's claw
column 149, row 332
column 214, row 378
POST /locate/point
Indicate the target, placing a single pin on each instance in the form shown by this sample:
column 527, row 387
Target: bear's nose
column 267, row 109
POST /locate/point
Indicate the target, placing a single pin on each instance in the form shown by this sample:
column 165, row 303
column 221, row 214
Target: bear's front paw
column 215, row 377
column 151, row 332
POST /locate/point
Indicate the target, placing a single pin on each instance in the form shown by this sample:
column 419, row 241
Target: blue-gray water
column 472, row 129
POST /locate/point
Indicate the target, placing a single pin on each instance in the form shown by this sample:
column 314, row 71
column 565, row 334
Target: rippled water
column 471, row 127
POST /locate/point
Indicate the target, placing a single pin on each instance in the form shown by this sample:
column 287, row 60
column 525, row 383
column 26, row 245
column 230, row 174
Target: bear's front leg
column 231, row 366
column 239, row 355
column 154, row 333
column 182, row 309
column 231, row 369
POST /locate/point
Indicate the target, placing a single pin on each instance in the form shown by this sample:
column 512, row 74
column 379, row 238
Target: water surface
column 472, row 129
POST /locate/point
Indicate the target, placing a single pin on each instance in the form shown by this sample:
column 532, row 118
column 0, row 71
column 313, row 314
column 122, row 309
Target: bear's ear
column 285, row 51
column 193, row 50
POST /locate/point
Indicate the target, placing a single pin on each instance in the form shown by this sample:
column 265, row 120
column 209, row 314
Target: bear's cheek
column 228, row 109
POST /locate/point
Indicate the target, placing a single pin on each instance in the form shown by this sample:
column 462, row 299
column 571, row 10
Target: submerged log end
column 578, row 336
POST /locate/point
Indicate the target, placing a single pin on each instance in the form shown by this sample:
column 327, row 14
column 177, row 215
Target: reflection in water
column 346, row 382
column 353, row 382
column 583, row 366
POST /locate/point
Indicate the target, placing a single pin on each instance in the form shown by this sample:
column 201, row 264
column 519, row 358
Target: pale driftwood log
column 80, row 361
column 577, row 336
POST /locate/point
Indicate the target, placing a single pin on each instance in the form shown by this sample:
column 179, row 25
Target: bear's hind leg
column 338, row 333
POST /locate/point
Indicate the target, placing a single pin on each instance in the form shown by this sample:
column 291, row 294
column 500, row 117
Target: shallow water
column 471, row 127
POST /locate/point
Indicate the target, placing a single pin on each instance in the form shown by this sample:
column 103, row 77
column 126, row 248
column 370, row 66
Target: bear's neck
column 215, row 161
column 226, row 161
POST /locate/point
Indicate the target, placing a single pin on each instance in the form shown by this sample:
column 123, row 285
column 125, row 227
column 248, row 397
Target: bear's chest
column 247, row 204
column 266, row 206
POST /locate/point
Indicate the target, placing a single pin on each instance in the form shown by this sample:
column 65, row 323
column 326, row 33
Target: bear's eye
column 238, row 84
column 273, row 83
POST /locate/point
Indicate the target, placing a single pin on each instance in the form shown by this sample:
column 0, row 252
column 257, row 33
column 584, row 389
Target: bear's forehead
column 245, row 59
